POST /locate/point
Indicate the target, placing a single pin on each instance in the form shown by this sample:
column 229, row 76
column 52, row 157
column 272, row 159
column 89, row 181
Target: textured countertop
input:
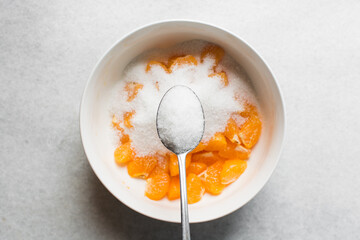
column 47, row 51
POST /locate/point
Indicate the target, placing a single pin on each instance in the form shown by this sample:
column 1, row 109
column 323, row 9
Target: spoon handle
column 183, row 192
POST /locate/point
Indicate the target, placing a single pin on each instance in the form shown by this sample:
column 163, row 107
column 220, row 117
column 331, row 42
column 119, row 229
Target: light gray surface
column 47, row 50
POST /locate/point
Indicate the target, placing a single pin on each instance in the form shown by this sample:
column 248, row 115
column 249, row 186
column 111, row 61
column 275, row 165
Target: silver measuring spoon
column 180, row 124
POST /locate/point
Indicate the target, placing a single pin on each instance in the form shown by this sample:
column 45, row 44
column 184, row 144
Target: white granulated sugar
column 180, row 120
column 218, row 102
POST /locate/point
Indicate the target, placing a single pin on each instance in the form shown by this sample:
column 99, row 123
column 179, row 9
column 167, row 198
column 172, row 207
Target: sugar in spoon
column 180, row 125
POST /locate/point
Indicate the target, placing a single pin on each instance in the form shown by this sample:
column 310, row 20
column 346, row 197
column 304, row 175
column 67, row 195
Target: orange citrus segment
column 173, row 58
column 174, row 188
column 123, row 153
column 222, row 76
column 216, row 143
column 116, row 124
column 163, row 162
column 196, row 168
column 174, row 164
column 156, row 171
column 234, row 150
column 155, row 63
column 195, row 188
column 181, row 61
column 157, row 186
column 127, row 119
column 141, row 166
column 250, row 131
column 124, row 138
column 212, row 51
column 231, row 131
column 199, row 148
column 205, row 157
column 132, row 89
column 249, row 110
column 211, row 178
column 232, row 169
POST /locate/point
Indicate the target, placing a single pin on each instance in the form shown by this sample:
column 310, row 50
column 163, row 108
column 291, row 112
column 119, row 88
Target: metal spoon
column 181, row 150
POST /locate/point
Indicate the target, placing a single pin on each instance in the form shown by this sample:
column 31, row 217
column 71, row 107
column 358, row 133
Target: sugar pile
column 218, row 102
column 180, row 119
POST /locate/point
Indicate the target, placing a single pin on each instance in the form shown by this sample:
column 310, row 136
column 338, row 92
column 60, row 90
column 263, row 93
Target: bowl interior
column 95, row 122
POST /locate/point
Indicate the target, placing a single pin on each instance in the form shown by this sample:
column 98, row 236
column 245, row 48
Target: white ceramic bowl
column 95, row 121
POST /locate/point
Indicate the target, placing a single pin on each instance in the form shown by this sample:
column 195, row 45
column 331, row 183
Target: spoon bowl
column 180, row 120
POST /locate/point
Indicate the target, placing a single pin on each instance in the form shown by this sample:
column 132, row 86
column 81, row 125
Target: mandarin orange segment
column 183, row 61
column 174, row 188
column 212, row 51
column 173, row 58
column 234, row 150
column 156, row 171
column 124, row 138
column 198, row 148
column 163, row 162
column 222, row 76
column 152, row 63
column 205, row 157
column 211, row 178
column 195, row 188
column 250, row 131
column 232, row 169
column 249, row 110
column 216, row 143
column 141, row 166
column 174, row 164
column 231, row 131
column 196, row 168
column 157, row 186
column 116, row 124
column 127, row 119
column 123, row 153
column 132, row 89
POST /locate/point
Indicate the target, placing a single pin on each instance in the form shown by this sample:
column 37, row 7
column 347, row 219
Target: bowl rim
column 188, row 21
